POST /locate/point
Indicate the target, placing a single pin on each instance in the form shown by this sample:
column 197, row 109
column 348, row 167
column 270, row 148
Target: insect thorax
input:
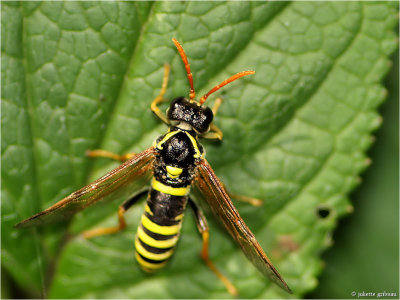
column 178, row 152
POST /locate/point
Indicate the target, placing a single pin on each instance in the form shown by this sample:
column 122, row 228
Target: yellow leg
column 121, row 219
column 214, row 134
column 204, row 255
column 216, row 105
column 202, row 226
column 154, row 108
column 108, row 154
column 109, row 230
column 250, row 200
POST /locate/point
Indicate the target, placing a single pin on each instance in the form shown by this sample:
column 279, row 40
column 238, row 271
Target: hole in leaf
column 323, row 212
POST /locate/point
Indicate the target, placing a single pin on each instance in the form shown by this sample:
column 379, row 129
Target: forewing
column 208, row 186
column 118, row 183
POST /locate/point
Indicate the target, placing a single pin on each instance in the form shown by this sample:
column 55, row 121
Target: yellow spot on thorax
column 173, row 172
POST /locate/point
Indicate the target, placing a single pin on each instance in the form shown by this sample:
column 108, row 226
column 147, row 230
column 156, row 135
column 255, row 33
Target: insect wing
column 208, row 186
column 122, row 181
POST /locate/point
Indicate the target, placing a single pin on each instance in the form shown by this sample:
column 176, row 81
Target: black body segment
column 159, row 230
column 165, row 208
column 178, row 151
column 133, row 200
column 177, row 154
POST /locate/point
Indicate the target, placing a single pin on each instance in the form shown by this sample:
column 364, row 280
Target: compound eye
column 203, row 132
column 205, row 118
column 177, row 109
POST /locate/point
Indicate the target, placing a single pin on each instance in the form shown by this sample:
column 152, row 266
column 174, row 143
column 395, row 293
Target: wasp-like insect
column 173, row 165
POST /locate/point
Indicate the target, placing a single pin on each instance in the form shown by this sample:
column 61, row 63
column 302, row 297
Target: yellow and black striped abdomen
column 160, row 226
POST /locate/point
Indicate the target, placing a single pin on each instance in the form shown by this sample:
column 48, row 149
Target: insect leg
column 154, row 108
column 214, row 134
column 250, row 200
column 216, row 105
column 108, row 154
column 121, row 219
column 202, row 226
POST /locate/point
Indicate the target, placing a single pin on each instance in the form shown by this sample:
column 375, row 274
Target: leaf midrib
column 38, row 238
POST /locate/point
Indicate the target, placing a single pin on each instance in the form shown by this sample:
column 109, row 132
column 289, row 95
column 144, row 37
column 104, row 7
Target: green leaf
column 374, row 226
column 82, row 75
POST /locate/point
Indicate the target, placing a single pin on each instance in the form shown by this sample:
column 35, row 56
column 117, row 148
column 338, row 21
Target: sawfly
column 173, row 166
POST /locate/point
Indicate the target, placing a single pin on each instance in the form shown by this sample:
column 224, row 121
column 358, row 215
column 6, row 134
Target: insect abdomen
column 159, row 229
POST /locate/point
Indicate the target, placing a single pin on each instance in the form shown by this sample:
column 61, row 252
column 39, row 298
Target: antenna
column 225, row 82
column 192, row 93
